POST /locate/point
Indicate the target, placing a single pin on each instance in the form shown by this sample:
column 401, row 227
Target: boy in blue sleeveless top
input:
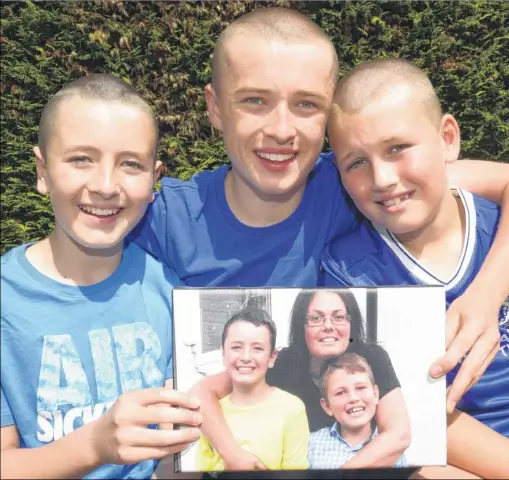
column 86, row 371
column 392, row 145
column 265, row 219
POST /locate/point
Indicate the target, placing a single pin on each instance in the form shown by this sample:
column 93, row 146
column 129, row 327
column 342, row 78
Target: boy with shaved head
column 392, row 144
column 265, row 219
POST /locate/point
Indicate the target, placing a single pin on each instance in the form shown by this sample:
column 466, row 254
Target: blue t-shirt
column 373, row 256
column 68, row 352
column 191, row 228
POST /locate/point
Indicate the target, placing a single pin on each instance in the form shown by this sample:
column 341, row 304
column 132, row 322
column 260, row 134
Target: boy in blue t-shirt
column 86, row 349
column 392, row 144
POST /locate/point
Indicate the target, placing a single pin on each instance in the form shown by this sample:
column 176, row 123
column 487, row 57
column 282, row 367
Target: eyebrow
column 301, row 93
column 90, row 149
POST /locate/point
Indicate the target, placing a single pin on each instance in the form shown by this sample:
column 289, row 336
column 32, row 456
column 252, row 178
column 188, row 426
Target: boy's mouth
column 99, row 212
column 277, row 157
column 245, row 370
column 394, row 203
column 355, row 411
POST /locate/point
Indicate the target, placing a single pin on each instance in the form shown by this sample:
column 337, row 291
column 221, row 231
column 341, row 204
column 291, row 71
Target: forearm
column 214, row 426
column 71, row 456
column 490, row 278
column 383, row 451
column 474, row 447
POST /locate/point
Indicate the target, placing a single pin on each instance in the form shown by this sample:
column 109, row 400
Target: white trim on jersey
column 420, row 271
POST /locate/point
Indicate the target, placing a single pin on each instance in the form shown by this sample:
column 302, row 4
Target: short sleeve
column 381, row 365
column 6, row 412
column 206, row 457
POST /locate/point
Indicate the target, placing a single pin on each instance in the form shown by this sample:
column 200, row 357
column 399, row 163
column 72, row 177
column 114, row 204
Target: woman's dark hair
column 297, row 338
column 255, row 316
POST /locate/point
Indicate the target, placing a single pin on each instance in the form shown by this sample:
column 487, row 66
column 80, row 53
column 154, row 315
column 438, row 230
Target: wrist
column 92, row 450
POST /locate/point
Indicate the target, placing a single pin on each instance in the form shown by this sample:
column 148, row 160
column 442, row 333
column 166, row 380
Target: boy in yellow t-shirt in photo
column 268, row 422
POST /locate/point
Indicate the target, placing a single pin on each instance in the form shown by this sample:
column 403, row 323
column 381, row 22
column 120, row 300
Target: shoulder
column 358, row 258
column 198, row 183
column 320, row 435
column 292, row 404
column 154, row 272
column 10, row 259
column 487, row 214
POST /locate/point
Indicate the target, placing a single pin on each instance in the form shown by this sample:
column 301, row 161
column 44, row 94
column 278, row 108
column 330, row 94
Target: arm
column 394, row 434
column 486, row 179
column 210, row 390
column 472, row 320
column 296, row 440
column 120, row 436
column 46, row 461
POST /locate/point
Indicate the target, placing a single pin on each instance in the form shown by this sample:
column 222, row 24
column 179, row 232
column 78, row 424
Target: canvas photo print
column 312, row 372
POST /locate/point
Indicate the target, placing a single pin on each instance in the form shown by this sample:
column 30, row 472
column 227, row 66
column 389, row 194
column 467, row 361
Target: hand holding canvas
column 472, row 334
column 121, row 435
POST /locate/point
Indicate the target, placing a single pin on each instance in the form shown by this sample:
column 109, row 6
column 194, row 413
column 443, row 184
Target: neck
column 257, row 210
column 356, row 436
column 62, row 259
column 444, row 232
column 245, row 395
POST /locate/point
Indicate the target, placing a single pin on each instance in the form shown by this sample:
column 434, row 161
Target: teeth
column 101, row 212
column 395, row 201
column 355, row 410
column 277, row 157
column 245, row 369
column 328, row 340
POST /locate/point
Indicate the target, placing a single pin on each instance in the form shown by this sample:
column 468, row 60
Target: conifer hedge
column 164, row 49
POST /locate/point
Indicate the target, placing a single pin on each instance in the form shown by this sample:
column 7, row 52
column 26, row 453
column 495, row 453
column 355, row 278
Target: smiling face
column 327, row 340
column 99, row 170
column 247, row 353
column 351, row 398
column 392, row 159
column 272, row 105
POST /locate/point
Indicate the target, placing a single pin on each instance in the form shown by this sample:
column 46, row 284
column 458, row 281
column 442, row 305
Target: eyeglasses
column 336, row 319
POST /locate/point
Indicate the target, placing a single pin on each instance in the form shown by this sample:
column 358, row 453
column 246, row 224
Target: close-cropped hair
column 370, row 81
column 269, row 23
column 350, row 362
column 97, row 86
column 255, row 316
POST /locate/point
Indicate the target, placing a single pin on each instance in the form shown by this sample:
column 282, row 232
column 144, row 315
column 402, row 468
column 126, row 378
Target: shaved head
column 272, row 23
column 372, row 80
column 98, row 86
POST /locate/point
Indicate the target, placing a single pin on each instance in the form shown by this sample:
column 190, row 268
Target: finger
column 467, row 374
column 484, row 366
column 148, row 437
column 259, row 465
column 452, row 326
column 459, row 347
column 151, row 396
column 156, row 414
column 139, row 454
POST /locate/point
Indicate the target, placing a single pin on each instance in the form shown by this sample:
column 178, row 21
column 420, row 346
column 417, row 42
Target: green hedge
column 164, row 48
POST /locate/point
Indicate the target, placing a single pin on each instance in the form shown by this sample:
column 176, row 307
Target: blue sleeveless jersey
column 372, row 256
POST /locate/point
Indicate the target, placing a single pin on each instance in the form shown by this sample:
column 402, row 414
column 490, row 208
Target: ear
column 326, row 407
column 156, row 175
column 273, row 358
column 377, row 394
column 40, row 166
column 213, row 107
column 450, row 135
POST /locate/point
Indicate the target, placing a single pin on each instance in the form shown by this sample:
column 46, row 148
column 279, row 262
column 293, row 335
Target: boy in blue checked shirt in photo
column 349, row 394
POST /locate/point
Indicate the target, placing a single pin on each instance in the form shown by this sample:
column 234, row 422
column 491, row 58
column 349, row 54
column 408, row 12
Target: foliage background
column 164, row 49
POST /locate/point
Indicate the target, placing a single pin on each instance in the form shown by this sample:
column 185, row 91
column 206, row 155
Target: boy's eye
column 80, row 159
column 357, row 163
column 307, row 104
column 253, row 100
column 134, row 164
column 397, row 148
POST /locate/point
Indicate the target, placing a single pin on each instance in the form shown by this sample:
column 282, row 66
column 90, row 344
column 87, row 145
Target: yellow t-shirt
column 275, row 430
